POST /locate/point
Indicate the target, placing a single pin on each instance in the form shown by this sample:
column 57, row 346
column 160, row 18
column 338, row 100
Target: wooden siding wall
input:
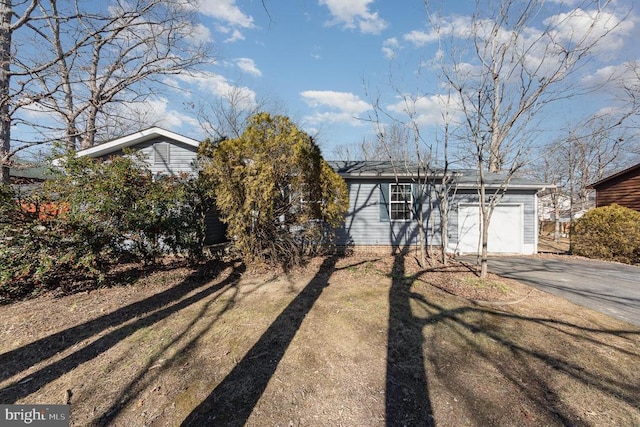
column 364, row 227
column 526, row 198
column 181, row 156
column 623, row 190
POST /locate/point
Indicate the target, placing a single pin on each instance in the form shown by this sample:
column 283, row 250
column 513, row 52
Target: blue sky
column 325, row 61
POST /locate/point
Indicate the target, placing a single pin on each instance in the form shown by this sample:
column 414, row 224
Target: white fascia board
column 507, row 187
column 373, row 175
column 133, row 139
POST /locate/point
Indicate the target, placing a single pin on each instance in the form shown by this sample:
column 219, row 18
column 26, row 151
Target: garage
column 505, row 229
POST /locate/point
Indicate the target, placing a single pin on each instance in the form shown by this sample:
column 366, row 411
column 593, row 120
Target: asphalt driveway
column 613, row 289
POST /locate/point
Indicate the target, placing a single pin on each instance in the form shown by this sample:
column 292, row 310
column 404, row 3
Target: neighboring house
column 28, row 174
column 167, row 153
column 381, row 205
column 27, row 178
column 622, row 188
column 552, row 204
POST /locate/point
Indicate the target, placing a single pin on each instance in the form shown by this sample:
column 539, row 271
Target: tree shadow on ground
column 492, row 338
column 407, row 401
column 233, row 399
column 120, row 273
column 146, row 312
column 202, row 321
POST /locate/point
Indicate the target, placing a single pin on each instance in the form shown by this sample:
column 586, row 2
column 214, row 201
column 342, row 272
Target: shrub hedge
column 92, row 215
column 610, row 233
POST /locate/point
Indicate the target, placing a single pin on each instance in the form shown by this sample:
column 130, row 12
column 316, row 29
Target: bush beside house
column 279, row 198
column 107, row 212
column 610, row 233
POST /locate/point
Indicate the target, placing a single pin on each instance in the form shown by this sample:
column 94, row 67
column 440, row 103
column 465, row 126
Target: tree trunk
column 556, row 213
column 422, row 237
column 485, row 217
column 6, row 13
column 484, row 262
column 444, row 225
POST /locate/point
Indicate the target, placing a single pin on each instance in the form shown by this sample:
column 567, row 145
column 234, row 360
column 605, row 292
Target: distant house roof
column 465, row 178
column 133, row 139
column 29, row 172
column 633, row 170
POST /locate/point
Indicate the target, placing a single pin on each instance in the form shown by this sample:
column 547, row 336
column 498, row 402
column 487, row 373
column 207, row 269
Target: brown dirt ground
column 546, row 244
column 354, row 341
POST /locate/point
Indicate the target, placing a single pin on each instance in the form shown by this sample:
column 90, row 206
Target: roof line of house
column 135, row 138
column 614, row 176
column 474, row 186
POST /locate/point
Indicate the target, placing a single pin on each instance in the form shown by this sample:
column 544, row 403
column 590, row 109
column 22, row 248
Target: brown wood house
column 622, row 188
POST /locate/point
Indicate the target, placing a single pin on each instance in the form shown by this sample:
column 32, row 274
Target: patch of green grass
column 366, row 268
column 486, row 283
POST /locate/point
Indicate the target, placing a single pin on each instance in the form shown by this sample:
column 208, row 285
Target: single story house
column 622, row 188
column 382, row 202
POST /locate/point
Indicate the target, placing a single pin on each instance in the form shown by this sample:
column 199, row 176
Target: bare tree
column 513, row 74
column 7, row 28
column 227, row 116
column 346, row 152
column 126, row 51
column 400, row 141
column 72, row 64
column 587, row 152
column 392, row 142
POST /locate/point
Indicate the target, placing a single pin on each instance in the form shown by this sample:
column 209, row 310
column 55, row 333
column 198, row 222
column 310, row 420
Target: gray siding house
column 167, row 153
column 384, row 205
column 383, row 200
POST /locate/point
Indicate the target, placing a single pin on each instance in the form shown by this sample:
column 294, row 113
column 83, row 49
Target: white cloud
column 345, row 101
column 540, row 49
column 420, row 38
column 614, row 78
column 334, row 107
column 426, row 110
column 390, row 47
column 218, row 86
column 158, row 111
column 248, row 66
column 355, row 14
column 230, row 18
column 590, row 26
column 458, row 26
column 576, row 26
column 235, row 36
column 225, row 11
column 200, row 34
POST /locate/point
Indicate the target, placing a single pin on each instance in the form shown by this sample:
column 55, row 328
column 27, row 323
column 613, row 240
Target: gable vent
column 161, row 153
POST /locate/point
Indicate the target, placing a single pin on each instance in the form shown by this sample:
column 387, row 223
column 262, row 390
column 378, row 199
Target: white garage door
column 505, row 229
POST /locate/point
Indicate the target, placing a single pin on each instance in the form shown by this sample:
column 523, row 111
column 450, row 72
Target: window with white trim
column 400, row 202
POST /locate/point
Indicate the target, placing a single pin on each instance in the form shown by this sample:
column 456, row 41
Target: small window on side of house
column 161, row 153
column 400, row 202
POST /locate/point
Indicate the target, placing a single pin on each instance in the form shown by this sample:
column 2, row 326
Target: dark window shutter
column 384, row 202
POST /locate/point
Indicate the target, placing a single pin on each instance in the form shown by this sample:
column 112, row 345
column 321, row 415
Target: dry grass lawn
column 355, row 341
